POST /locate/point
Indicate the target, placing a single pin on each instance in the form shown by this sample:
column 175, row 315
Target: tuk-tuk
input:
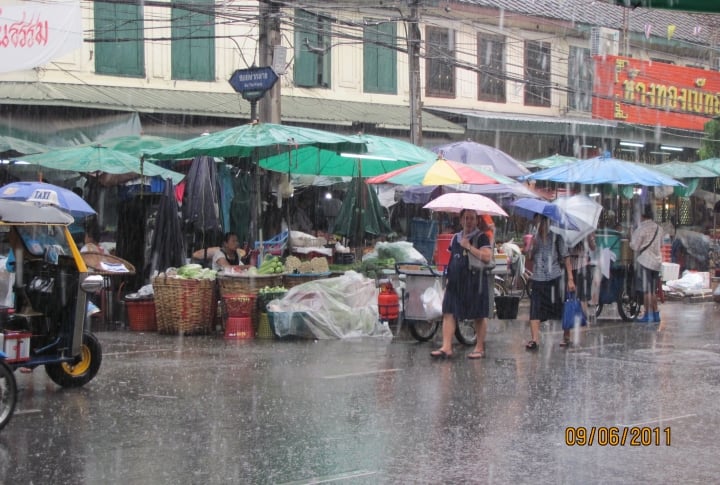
column 48, row 324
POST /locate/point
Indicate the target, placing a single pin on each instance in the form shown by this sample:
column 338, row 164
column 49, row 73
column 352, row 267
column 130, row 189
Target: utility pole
column 414, row 73
column 270, row 104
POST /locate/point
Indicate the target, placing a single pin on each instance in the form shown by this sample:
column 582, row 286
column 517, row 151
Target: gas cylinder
column 388, row 302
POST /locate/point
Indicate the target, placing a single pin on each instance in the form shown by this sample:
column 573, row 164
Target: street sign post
column 252, row 83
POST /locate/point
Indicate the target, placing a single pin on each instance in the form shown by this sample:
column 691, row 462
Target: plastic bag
column 573, row 314
column 432, row 299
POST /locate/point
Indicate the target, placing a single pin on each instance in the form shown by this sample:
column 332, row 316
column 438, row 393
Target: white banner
column 33, row 34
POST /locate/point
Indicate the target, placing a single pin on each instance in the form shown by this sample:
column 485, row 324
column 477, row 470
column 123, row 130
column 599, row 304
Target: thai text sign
column 33, row 34
column 654, row 93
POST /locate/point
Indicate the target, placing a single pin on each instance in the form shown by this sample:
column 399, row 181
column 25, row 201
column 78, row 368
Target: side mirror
column 92, row 284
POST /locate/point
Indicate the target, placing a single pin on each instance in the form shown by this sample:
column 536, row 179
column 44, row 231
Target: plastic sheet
column 403, row 251
column 341, row 307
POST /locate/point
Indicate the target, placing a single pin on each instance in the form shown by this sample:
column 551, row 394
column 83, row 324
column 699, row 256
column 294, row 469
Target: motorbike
column 48, row 324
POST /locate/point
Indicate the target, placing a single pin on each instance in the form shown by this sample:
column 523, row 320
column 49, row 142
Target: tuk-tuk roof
column 17, row 212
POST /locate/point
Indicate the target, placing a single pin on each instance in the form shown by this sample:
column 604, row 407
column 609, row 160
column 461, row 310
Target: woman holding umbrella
column 466, row 287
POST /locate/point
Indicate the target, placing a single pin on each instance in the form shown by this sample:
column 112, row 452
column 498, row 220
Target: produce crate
column 292, row 280
column 184, row 306
column 265, row 297
column 141, row 315
column 239, row 328
column 264, row 330
column 289, row 325
column 239, row 304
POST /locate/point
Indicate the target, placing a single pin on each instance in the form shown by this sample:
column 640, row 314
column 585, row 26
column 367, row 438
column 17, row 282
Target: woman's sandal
column 440, row 354
column 476, row 355
column 565, row 343
column 531, row 345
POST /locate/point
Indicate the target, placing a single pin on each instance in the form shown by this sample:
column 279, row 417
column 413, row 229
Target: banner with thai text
column 33, row 34
column 654, row 93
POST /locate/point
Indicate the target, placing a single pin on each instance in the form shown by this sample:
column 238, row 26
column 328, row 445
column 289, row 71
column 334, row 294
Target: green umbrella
column 12, row 147
column 712, row 164
column 97, row 158
column 259, row 140
column 138, row 145
column 550, row 162
column 383, row 155
column 684, row 170
column 361, row 213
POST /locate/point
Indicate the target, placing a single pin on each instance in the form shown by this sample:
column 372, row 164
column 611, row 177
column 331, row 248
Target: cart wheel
column 465, row 332
column 423, row 330
column 8, row 394
column 628, row 307
column 66, row 374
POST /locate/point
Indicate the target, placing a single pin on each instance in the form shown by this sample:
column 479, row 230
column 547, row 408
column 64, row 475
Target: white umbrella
column 584, row 211
column 456, row 201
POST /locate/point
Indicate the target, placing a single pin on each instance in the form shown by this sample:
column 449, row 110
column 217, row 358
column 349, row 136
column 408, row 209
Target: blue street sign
column 253, row 82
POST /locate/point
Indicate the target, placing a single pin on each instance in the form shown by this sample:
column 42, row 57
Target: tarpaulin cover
column 340, row 307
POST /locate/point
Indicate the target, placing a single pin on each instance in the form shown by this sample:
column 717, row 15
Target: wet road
column 206, row 410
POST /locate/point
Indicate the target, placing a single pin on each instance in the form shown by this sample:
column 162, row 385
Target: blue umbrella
column 604, row 170
column 528, row 208
column 49, row 194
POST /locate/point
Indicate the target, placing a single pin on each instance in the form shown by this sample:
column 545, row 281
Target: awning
column 478, row 120
column 214, row 104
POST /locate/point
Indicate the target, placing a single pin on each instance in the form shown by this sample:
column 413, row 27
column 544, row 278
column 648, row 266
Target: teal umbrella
column 382, row 155
column 361, row 214
column 551, row 161
column 259, row 140
column 12, row 147
column 98, row 158
column 684, row 170
column 138, row 145
column 712, row 164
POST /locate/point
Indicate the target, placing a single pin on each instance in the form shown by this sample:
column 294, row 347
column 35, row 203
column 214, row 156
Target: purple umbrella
column 474, row 153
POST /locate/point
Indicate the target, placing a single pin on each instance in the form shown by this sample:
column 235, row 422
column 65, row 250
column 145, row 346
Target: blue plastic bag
column 573, row 314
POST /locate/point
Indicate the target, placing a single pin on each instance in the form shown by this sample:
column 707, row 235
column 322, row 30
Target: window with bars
column 380, row 58
column 193, row 40
column 537, row 73
column 439, row 62
column 312, row 50
column 580, row 79
column 119, row 46
column 491, row 61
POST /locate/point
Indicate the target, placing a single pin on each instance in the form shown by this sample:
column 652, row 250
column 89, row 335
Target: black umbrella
column 201, row 204
column 167, row 248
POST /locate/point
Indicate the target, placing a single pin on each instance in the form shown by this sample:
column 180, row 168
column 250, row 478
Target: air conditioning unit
column 604, row 41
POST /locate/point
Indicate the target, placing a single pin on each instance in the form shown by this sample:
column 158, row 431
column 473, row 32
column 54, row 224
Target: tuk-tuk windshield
column 39, row 239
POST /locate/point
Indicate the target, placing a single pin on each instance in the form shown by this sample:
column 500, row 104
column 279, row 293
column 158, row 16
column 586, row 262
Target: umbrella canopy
column 98, row 158
column 17, row 212
column 43, row 193
column 421, row 194
column 12, row 147
column 440, row 172
column 138, row 145
column 552, row 161
column 585, row 212
column 604, row 170
column 260, row 140
column 684, row 170
column 456, row 202
column 479, row 154
column 168, row 244
column 712, row 164
column 528, row 208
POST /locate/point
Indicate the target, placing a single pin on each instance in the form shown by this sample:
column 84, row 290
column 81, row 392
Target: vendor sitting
column 229, row 254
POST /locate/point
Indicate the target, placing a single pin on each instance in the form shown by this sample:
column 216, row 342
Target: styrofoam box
column 670, row 271
column 17, row 346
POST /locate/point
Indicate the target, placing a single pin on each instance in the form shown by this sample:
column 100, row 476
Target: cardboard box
column 16, row 346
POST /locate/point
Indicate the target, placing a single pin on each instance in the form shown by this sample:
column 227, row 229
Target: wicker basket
column 247, row 284
column 292, row 280
column 141, row 315
column 184, row 306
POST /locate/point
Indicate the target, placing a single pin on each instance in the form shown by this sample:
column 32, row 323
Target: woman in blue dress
column 467, row 291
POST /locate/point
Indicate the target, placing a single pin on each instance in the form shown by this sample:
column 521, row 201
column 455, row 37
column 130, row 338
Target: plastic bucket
column 442, row 255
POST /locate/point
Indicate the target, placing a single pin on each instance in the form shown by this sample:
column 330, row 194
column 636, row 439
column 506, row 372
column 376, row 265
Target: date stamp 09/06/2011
column 617, row 436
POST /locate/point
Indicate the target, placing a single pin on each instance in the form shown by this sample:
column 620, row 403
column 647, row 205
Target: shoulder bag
column 476, row 263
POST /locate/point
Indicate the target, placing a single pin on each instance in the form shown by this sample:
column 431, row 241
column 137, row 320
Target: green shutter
column 306, row 62
column 379, row 61
column 193, row 44
column 119, row 32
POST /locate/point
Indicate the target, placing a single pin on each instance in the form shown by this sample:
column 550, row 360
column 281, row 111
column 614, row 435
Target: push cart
column 417, row 279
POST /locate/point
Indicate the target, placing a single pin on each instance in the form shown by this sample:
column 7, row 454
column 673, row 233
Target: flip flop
column 476, row 355
column 440, row 354
column 531, row 345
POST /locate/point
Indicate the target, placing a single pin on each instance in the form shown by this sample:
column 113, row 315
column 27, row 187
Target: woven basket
column 292, row 280
column 247, row 284
column 141, row 315
column 184, row 306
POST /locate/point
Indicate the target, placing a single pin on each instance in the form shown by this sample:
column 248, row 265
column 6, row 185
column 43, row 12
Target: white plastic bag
column 432, row 299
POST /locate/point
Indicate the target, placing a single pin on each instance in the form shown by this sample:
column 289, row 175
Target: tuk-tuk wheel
column 8, row 394
column 78, row 374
